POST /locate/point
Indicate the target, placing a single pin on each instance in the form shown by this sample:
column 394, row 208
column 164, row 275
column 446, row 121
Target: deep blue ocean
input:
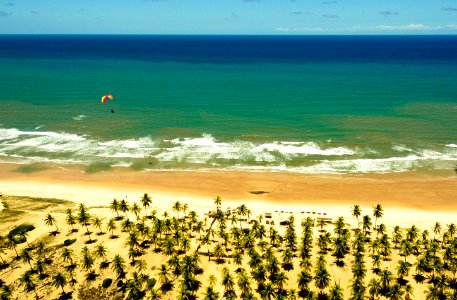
column 310, row 104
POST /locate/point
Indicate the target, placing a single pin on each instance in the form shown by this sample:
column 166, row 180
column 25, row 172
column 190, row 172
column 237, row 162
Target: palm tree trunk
column 88, row 232
column 15, row 250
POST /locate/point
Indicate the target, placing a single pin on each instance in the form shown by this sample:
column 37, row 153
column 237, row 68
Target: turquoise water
column 312, row 116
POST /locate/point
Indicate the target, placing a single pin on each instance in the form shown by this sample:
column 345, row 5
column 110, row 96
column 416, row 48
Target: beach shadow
column 65, row 296
column 97, row 168
column 70, row 267
column 104, row 265
column 258, row 192
column 31, row 168
column 91, row 276
column 54, row 233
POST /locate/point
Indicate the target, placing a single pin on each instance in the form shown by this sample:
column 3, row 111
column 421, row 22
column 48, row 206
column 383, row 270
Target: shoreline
column 430, row 196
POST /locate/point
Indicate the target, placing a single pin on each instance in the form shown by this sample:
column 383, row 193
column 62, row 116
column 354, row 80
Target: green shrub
column 68, row 242
column 21, row 229
column 107, row 282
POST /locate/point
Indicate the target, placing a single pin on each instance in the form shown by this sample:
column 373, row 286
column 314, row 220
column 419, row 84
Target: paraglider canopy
column 106, row 97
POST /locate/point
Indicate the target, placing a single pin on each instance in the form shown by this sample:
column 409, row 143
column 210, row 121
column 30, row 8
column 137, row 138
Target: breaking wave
column 208, row 152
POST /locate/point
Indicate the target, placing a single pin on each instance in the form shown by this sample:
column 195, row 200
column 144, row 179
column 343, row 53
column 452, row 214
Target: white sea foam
column 401, row 148
column 79, row 117
column 209, row 152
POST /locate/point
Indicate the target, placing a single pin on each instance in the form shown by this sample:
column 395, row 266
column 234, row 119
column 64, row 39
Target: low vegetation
column 227, row 255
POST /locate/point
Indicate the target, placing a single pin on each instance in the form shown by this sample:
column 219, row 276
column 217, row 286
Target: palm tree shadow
column 104, row 265
column 43, row 276
column 113, row 237
column 90, row 242
column 70, row 267
column 65, row 296
column 339, row 263
column 54, row 233
column 91, row 276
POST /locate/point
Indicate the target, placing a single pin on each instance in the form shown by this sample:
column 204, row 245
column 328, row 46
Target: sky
column 280, row 17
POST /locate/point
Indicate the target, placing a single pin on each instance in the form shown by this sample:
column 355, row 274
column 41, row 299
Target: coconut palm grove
column 139, row 253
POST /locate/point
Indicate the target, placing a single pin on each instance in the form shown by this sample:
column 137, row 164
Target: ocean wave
column 79, row 117
column 207, row 151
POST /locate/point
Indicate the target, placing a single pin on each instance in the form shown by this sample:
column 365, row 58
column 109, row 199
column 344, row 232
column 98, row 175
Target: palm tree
column 408, row 291
column 51, row 221
column 124, row 207
column 228, row 282
column 366, row 224
column 377, row 213
column 336, row 292
column 26, row 280
column 111, row 226
column 403, row 268
column 164, row 278
column 67, row 254
column 146, row 201
column 436, row 229
column 218, row 202
column 59, row 280
column 71, row 220
column 87, row 261
column 395, row 292
column 98, row 224
column 321, row 276
column 268, row 291
column 119, row 266
column 451, row 228
column 356, row 212
column 397, row 236
column 26, row 256
column 374, row 288
column 141, row 266
column 386, row 279
column 210, row 293
column 84, row 219
column 114, row 206
column 136, row 210
column 100, row 251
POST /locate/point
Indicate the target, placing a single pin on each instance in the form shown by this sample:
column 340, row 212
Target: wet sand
column 417, row 197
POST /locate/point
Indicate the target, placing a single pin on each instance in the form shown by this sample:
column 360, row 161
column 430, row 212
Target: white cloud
column 416, row 27
column 407, row 27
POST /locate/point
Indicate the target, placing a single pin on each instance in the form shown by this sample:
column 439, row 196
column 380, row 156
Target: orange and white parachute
column 106, row 97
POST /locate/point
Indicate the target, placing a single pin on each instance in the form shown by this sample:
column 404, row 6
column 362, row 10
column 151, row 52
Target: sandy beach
column 420, row 199
column 408, row 198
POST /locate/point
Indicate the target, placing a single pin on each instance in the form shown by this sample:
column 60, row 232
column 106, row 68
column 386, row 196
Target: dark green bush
column 107, row 282
column 21, row 229
column 69, row 242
